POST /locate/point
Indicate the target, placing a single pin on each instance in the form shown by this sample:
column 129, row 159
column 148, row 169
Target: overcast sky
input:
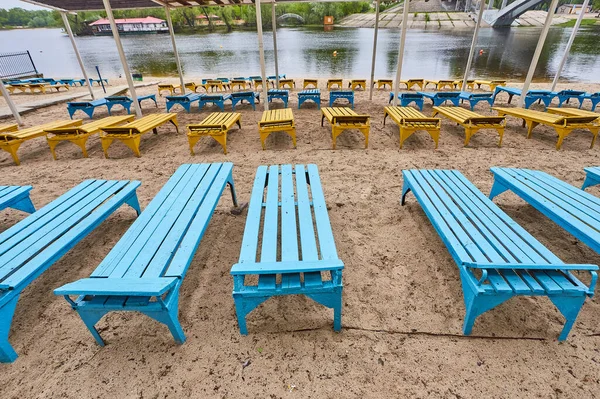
column 6, row 4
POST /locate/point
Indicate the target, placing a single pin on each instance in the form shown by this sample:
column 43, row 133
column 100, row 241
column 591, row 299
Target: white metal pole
column 473, row 43
column 569, row 44
column 261, row 50
column 538, row 51
column 401, row 51
column 115, row 33
column 490, row 3
column 504, row 3
column 11, row 104
column 274, row 23
column 177, row 61
column 374, row 49
column 72, row 37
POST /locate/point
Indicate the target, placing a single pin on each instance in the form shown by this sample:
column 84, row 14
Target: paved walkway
column 63, row 98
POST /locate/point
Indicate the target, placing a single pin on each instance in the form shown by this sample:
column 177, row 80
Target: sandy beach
column 403, row 308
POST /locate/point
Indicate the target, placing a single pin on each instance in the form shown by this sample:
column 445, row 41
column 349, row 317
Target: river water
column 309, row 53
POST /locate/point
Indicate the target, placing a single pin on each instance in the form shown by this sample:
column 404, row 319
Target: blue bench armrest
column 119, row 286
column 286, row 267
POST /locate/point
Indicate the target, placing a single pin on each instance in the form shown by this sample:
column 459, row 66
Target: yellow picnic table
column 343, row 118
column 215, row 125
column 354, row 83
column 563, row 125
column 412, row 82
column 334, row 82
column 170, row 87
column 409, row 120
column 277, row 120
column 440, row 84
column 10, row 141
column 472, row 121
column 309, row 82
column 79, row 135
column 130, row 133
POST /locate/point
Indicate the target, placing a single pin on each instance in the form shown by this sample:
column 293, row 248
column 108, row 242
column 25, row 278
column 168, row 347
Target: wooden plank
column 251, row 232
column 118, row 286
column 289, row 232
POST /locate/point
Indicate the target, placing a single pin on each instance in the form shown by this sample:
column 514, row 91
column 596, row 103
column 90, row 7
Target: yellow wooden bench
column 167, row 86
column 470, row 84
column 130, row 133
column 491, row 83
column 286, row 82
column 43, row 87
column 573, row 112
column 472, row 121
column 215, row 125
column 10, row 127
column 79, row 135
column 259, row 82
column 409, row 120
column 343, row 118
column 277, row 120
column 22, row 87
column 354, row 83
column 334, row 82
column 383, row 82
column 212, row 84
column 309, row 82
column 192, row 86
column 563, row 125
column 412, row 82
column 440, row 84
column 241, row 84
column 11, row 141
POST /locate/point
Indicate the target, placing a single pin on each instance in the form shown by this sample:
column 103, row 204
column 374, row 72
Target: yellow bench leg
column 133, row 143
column 12, row 148
column 106, row 142
column 365, row 132
column 78, row 141
column 263, row 138
column 222, row 139
column 192, row 140
column 435, row 135
column 501, row 133
column 594, row 135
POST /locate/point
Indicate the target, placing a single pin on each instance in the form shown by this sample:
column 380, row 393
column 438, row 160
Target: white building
column 126, row 26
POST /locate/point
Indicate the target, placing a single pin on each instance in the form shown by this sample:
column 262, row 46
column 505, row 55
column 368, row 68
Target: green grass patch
column 571, row 23
column 427, row 17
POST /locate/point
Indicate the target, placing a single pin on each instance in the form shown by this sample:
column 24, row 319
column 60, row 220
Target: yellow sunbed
column 215, row 125
column 130, row 133
column 384, row 82
column 334, row 82
column 470, row 84
column 79, row 135
column 573, row 112
column 563, row 125
column 491, row 83
column 213, row 84
column 11, row 127
column 440, row 84
column 343, row 118
column 192, row 86
column 354, row 83
column 11, row 141
column 277, row 120
column 258, row 82
column 239, row 83
column 43, row 87
column 286, row 82
column 472, row 121
column 409, row 120
column 412, row 82
column 308, row 82
column 167, row 86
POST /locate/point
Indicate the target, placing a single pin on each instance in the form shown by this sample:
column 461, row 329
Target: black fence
column 17, row 65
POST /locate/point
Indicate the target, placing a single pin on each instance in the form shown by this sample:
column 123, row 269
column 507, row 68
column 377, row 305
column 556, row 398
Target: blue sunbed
column 31, row 246
column 280, row 94
column 293, row 245
column 407, row 98
column 566, row 95
column 497, row 259
column 185, row 101
column 593, row 97
column 341, row 94
column 145, row 269
column 88, row 107
column 313, row 95
column 250, row 96
column 544, row 96
column 474, row 98
column 216, row 99
column 440, row 97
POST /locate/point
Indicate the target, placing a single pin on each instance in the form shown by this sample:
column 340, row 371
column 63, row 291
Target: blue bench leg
column 569, row 307
column 243, row 306
column 419, row 104
column 7, row 353
column 529, row 102
column 331, row 300
column 71, row 112
column 169, row 318
column 477, row 305
column 589, row 181
column 90, row 318
column 133, row 202
column 24, row 205
column 497, row 189
column 232, row 187
column 405, row 190
column 221, row 106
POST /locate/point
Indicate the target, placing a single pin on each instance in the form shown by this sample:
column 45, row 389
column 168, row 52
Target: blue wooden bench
column 407, row 98
column 313, row 95
column 566, row 95
column 571, row 208
column 88, row 107
column 592, row 177
column 126, row 101
column 216, row 99
column 31, row 246
column 542, row 96
column 290, row 245
column 16, row 197
column 594, row 98
column 341, row 94
column 250, row 96
column 185, row 101
column 440, row 97
column 280, row 94
column 474, row 98
column 497, row 259
column 145, row 269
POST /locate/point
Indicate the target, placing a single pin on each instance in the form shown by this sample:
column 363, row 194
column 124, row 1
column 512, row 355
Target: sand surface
column 403, row 307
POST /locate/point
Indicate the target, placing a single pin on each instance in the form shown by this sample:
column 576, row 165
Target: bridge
column 290, row 15
column 507, row 14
